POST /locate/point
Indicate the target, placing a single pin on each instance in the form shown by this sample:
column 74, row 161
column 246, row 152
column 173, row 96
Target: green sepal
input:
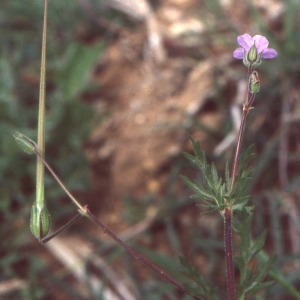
column 39, row 221
column 252, row 54
column 27, row 144
column 245, row 59
column 255, row 63
column 258, row 61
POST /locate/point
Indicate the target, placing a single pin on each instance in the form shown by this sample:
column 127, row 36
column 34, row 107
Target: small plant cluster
column 226, row 196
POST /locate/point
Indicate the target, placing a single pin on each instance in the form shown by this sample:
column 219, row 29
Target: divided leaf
column 201, row 287
column 213, row 188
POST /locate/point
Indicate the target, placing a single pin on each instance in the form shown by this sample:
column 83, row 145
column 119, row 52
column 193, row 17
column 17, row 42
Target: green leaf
column 227, row 176
column 256, row 287
column 196, row 148
column 210, row 211
column 196, row 187
column 80, row 58
column 214, row 173
column 240, row 206
column 258, row 244
column 193, row 160
column 260, row 274
column 202, row 288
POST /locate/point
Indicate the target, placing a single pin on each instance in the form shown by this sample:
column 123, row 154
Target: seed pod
column 39, row 221
column 25, row 143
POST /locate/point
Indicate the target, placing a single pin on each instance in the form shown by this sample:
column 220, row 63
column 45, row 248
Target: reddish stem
column 238, row 146
column 247, row 106
column 134, row 253
column 228, row 212
column 228, row 253
column 139, row 256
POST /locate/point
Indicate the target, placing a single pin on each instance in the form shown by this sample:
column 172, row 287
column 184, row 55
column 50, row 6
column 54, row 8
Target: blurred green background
column 76, row 43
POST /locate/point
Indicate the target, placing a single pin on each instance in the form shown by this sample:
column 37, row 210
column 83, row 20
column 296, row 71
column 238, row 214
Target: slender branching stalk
column 60, row 230
column 247, row 106
column 41, row 119
column 43, row 160
column 140, row 257
column 227, row 214
column 86, row 212
column 40, row 219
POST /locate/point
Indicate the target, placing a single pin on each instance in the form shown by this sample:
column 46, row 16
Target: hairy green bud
column 39, row 221
column 28, row 145
column 252, row 54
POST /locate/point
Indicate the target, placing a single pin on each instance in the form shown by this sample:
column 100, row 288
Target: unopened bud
column 252, row 54
column 254, row 84
column 39, row 221
column 25, row 142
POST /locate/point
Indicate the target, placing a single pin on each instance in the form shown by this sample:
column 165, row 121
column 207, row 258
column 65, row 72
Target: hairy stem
column 139, row 256
column 228, row 212
column 228, row 253
column 247, row 106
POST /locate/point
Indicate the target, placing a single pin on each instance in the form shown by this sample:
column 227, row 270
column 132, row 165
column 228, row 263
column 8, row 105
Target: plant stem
column 228, row 253
column 246, row 107
column 41, row 119
column 228, row 211
column 139, row 256
column 57, row 232
column 84, row 211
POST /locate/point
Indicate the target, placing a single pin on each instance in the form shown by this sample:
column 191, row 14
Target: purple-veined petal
column 238, row 53
column 261, row 43
column 245, row 41
column 269, row 53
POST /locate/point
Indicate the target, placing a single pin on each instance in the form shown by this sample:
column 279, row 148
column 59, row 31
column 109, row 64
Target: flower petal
column 238, row 53
column 269, row 53
column 261, row 43
column 245, row 41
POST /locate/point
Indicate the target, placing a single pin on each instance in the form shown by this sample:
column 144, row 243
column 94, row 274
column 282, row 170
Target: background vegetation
column 160, row 222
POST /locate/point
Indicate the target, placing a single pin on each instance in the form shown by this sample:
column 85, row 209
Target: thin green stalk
column 84, row 211
column 41, row 119
column 42, row 159
column 40, row 218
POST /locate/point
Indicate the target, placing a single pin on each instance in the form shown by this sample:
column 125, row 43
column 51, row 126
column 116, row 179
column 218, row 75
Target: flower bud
column 245, row 59
column 254, row 84
column 252, row 54
column 39, row 221
column 25, row 142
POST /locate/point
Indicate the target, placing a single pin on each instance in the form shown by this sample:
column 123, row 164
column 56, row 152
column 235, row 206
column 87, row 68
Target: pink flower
column 261, row 44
